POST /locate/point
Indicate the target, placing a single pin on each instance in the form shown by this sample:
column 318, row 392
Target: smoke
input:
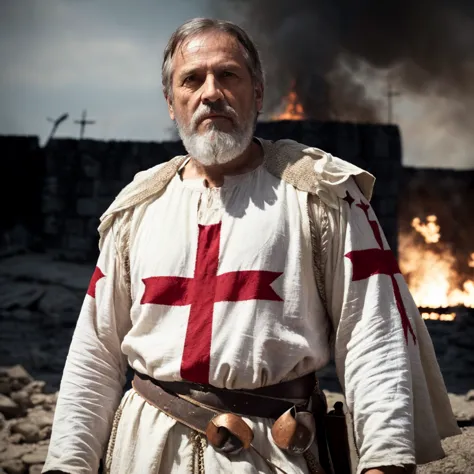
column 340, row 55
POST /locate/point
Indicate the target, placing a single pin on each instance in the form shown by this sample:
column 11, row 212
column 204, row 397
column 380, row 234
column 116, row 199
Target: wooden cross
column 83, row 122
column 391, row 93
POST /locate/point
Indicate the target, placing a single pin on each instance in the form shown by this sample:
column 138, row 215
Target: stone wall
column 21, row 172
column 83, row 177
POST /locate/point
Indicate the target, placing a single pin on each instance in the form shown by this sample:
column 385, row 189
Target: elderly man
column 226, row 279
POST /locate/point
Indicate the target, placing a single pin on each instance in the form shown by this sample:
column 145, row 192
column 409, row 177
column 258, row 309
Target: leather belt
column 215, row 412
column 264, row 402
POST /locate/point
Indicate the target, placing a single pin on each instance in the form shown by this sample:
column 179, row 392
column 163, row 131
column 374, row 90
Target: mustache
column 220, row 108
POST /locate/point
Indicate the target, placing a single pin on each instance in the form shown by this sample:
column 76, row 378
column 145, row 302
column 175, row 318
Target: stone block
column 51, row 204
column 85, row 188
column 109, row 188
column 92, row 207
column 87, row 207
column 74, row 226
column 90, row 167
column 75, row 242
column 91, row 226
column 348, row 143
column 51, row 225
column 129, row 169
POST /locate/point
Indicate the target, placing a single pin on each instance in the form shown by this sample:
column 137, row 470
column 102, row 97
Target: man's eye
column 228, row 74
column 189, row 79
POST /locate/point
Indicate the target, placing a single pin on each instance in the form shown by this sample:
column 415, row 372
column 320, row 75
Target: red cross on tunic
column 201, row 292
column 96, row 276
column 379, row 261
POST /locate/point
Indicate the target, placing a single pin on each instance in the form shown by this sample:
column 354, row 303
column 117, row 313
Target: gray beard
column 215, row 147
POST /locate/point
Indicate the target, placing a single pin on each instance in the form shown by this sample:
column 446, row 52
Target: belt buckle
column 294, row 431
column 229, row 433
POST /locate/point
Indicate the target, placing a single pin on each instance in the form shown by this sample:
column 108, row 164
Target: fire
column 293, row 109
column 429, row 268
column 430, row 230
column 437, row 316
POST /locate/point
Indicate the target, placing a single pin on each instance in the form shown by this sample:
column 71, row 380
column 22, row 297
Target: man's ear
column 169, row 101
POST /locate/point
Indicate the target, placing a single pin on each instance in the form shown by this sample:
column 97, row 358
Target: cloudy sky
column 104, row 56
column 64, row 56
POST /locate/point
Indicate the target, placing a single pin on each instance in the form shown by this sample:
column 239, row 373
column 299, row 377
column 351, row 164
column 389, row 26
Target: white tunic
column 223, row 291
column 276, row 330
column 254, row 236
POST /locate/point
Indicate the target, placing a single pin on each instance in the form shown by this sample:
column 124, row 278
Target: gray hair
column 197, row 26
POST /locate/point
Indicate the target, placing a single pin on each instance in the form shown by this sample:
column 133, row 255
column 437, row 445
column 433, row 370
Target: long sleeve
column 94, row 373
column 375, row 337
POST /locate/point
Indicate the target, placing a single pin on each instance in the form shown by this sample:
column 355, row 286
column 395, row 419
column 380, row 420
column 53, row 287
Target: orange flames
column 429, row 268
column 293, row 108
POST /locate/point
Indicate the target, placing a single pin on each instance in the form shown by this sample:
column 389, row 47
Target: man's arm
column 371, row 353
column 94, row 374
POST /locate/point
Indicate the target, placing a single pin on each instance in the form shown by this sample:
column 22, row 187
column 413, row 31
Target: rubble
column 26, row 417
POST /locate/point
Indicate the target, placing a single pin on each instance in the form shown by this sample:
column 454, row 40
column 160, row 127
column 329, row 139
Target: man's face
column 214, row 100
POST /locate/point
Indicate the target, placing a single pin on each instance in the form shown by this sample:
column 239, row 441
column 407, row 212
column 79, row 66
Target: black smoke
column 425, row 46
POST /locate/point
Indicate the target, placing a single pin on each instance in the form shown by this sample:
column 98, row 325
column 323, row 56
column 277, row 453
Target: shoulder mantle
column 307, row 169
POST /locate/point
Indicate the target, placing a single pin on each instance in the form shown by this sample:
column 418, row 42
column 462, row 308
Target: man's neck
column 214, row 175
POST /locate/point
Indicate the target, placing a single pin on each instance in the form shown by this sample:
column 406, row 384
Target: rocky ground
column 40, row 299
column 26, row 416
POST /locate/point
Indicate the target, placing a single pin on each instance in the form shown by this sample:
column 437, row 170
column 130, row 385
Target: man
column 225, row 280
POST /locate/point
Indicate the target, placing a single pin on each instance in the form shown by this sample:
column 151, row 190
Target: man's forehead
column 209, row 46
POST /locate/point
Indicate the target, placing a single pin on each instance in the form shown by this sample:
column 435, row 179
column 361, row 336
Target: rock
column 35, row 387
column 36, row 457
column 36, row 469
column 470, row 396
column 14, row 466
column 2, row 421
column 29, row 431
column 39, row 359
column 38, row 399
column 41, row 418
column 9, row 408
column 45, row 433
column 459, row 455
column 5, row 387
column 16, row 438
column 20, row 294
column 21, row 398
column 22, row 314
column 18, row 376
column 59, row 301
column 16, row 451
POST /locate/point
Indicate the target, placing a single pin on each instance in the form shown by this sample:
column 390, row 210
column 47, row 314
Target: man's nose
column 211, row 90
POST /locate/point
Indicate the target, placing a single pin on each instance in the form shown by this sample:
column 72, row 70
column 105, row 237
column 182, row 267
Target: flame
column 430, row 230
column 293, row 109
column 429, row 268
column 440, row 317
